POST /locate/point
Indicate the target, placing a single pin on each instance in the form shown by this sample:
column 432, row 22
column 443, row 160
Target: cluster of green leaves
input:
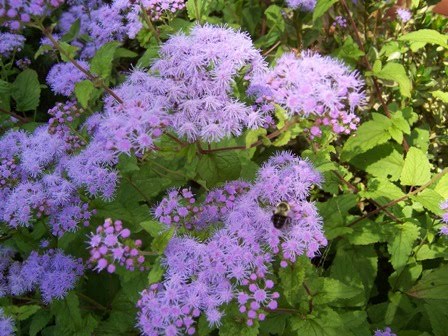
column 385, row 263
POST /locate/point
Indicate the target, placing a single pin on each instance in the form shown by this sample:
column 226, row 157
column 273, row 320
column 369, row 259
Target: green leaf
column 401, row 242
column 83, row 92
column 154, row 228
column 396, row 72
column 219, row 167
column 416, row 169
column 21, row 313
column 69, row 51
column 430, row 200
column 274, row 17
column 370, row 134
column 326, row 323
column 26, row 91
column 443, row 96
column 432, row 285
column 334, row 290
column 69, row 320
column 156, row 273
column 389, row 167
column 442, row 186
column 39, row 321
column 426, row 36
column 368, row 232
column 121, row 320
column 253, row 135
column 291, row 280
column 148, row 56
column 356, row 267
column 73, row 32
column 437, row 312
column 124, row 53
column 322, row 6
column 335, row 213
column 101, row 63
column 161, row 240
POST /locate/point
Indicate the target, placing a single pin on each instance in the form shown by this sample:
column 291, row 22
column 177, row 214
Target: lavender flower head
column 33, row 183
column 53, row 273
column 197, row 74
column 110, row 245
column 444, row 208
column 15, row 13
column 181, row 208
column 6, row 324
column 235, row 263
column 404, row 14
column 10, row 43
column 315, row 87
column 136, row 123
column 304, row 5
column 63, row 76
column 385, row 332
column 157, row 8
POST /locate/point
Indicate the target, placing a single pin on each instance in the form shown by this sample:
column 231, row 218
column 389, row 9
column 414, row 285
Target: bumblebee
column 280, row 215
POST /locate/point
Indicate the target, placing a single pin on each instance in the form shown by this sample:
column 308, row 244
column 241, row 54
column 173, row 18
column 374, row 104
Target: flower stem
column 90, row 76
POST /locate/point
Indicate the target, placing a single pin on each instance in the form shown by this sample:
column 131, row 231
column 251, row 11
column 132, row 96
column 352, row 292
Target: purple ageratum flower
column 444, row 208
column 110, row 246
column 63, row 115
column 53, row 273
column 6, row 324
column 63, row 77
column 235, row 262
column 10, row 43
column 316, row 87
column 158, row 8
column 16, row 13
column 180, row 208
column 385, row 332
column 33, row 182
column 404, row 14
column 340, row 21
column 196, row 76
column 92, row 169
column 305, row 5
column 135, row 124
column 106, row 25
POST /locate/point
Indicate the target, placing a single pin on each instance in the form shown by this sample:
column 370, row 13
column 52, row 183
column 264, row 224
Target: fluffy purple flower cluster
column 10, row 43
column 444, row 207
column 110, row 245
column 53, row 272
column 404, row 14
column 385, row 332
column 63, row 76
column 235, row 262
column 305, row 5
column 15, row 13
column 181, row 209
column 23, row 63
column 157, row 8
column 137, row 122
column 197, row 74
column 340, row 21
column 64, row 114
column 6, row 324
column 312, row 86
column 190, row 90
column 32, row 182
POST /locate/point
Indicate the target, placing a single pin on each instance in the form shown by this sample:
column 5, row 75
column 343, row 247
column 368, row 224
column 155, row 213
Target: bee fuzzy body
column 280, row 216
